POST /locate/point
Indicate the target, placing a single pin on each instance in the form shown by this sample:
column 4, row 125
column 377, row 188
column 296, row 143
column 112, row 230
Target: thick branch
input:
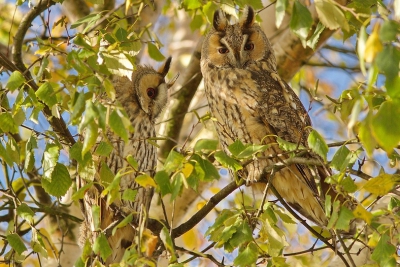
column 191, row 81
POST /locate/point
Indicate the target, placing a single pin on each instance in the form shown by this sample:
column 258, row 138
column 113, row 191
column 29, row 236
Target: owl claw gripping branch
column 254, row 105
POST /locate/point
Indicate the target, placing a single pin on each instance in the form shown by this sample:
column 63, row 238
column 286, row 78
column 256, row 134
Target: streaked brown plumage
column 253, row 104
column 143, row 97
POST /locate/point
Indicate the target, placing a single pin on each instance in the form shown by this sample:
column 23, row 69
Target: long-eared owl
column 251, row 103
column 143, row 97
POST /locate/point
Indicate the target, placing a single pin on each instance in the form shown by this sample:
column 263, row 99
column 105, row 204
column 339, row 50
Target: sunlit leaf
column 60, row 181
column 385, row 129
column 15, row 80
column 280, row 11
column 236, row 147
column 167, row 241
column 129, row 194
column 8, row 124
column 79, row 194
column 360, row 212
column 25, row 212
column 227, row 161
column 16, row 243
column 317, row 144
column 210, row 172
column 382, row 184
column 174, row 161
column 248, row 256
column 103, row 149
column 117, row 125
column 47, row 94
column 154, row 52
column 162, row 179
column 331, row 15
column 50, row 158
column 373, row 45
column 384, row 253
column 101, row 247
column 206, row 145
column 343, row 221
column 123, row 223
column 301, row 21
column 341, row 159
column 145, row 180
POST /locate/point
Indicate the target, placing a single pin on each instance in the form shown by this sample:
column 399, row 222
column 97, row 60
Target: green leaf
column 50, row 158
column 79, row 194
column 313, row 40
column 106, row 175
column 301, row 21
column 366, row 137
column 192, row 4
column 280, row 11
column 112, row 191
column 349, row 185
column 102, row 247
column 219, row 222
column 16, row 243
column 343, row 221
column 154, row 52
column 196, row 23
column 287, row 146
column 163, row 182
column 12, row 150
column 385, row 128
column 117, row 125
column 341, row 159
column 392, row 86
column 173, row 162
column 79, row 107
column 91, row 133
column 96, row 217
column 46, row 94
column 169, row 245
column 256, row 4
column 132, row 161
column 393, row 203
column 227, row 161
column 60, row 181
column 89, row 20
column 210, row 172
column 25, row 212
column 243, row 234
column 384, row 252
column 15, row 80
column 129, row 194
column 104, row 149
column 382, row 184
column 247, row 256
column 5, row 156
column 30, row 154
column 317, row 144
column 331, row 15
column 8, row 124
column 208, row 9
column 388, row 61
column 251, row 150
column 389, row 31
column 206, row 145
column 145, row 180
column 123, row 223
column 236, row 147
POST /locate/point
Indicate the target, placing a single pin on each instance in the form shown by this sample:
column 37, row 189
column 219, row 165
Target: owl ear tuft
column 220, row 22
column 163, row 70
column 247, row 18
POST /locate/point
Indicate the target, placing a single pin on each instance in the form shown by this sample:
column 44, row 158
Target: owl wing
column 286, row 116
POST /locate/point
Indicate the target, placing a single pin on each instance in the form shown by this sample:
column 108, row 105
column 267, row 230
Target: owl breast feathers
column 254, row 105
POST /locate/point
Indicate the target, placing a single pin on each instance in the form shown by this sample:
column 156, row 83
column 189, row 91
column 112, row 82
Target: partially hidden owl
column 143, row 97
column 251, row 103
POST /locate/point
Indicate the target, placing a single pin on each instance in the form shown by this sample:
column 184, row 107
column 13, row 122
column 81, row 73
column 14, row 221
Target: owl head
column 237, row 45
column 146, row 92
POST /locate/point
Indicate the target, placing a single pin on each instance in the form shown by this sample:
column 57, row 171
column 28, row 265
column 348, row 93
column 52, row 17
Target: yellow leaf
column 215, row 190
column 187, row 169
column 190, row 239
column 145, row 180
column 381, row 184
column 373, row 45
column 200, row 205
column 362, row 213
column 48, row 243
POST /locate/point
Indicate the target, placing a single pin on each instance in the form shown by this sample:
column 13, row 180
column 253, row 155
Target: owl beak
column 172, row 81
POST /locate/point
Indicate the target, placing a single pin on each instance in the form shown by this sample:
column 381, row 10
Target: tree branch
column 183, row 98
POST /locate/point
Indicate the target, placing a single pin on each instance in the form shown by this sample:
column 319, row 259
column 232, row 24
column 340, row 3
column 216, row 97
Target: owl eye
column 151, row 92
column 223, row 50
column 249, row 47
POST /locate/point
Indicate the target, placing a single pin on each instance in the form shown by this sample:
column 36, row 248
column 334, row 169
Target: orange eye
column 151, row 92
column 249, row 47
column 223, row 50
